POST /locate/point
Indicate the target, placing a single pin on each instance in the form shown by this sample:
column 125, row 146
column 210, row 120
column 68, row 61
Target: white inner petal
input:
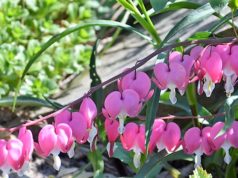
column 199, row 87
column 71, row 151
column 229, row 85
column 160, row 146
column 5, row 175
column 182, row 92
column 121, row 123
column 57, row 162
column 208, row 86
column 108, row 148
column 92, row 134
column 24, row 168
column 226, row 147
column 5, row 171
column 136, row 158
column 197, row 160
column 172, row 95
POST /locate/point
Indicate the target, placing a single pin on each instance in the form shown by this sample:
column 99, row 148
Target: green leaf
column 200, row 173
column 192, row 18
column 152, row 107
column 158, row 5
column 200, row 35
column 231, row 168
column 89, row 23
column 25, row 101
column 96, row 159
column 218, row 5
column 233, row 4
column 54, row 104
column 56, row 38
column 154, row 165
column 230, row 107
column 121, row 154
column 98, row 95
column 221, row 22
column 175, row 6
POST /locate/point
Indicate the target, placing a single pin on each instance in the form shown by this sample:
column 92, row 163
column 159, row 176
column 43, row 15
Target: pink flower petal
column 47, row 139
column 161, row 72
column 15, row 157
column 192, row 140
column 131, row 102
column 157, row 131
column 63, row 117
column 89, row 110
column 138, row 81
column 78, row 125
column 214, row 67
column 171, row 136
column 64, row 137
column 111, row 128
column 129, row 136
column 113, row 104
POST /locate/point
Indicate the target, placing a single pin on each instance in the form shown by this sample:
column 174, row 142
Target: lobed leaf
column 200, row 173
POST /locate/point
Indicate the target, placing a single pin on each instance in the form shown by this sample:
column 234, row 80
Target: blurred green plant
column 25, row 25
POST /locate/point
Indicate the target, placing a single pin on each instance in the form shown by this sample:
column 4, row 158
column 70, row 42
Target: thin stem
column 153, row 30
column 171, row 117
column 137, row 15
column 138, row 64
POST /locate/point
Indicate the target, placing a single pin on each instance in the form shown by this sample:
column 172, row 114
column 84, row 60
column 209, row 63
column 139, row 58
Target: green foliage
column 192, row 18
column 159, row 5
column 200, row 35
column 25, row 101
column 231, row 170
column 218, row 5
column 151, row 111
column 25, row 25
column 154, row 164
column 175, row 6
column 233, row 4
column 200, row 173
column 96, row 160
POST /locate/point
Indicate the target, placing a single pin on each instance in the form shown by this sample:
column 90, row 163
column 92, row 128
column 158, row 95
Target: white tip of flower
column 24, row 168
column 136, row 159
column 5, row 175
column 108, row 148
column 121, row 125
column 182, row 92
column 227, row 158
column 199, row 87
column 229, row 86
column 5, row 172
column 208, row 86
column 71, row 151
column 172, row 96
column 92, row 134
column 226, row 147
column 197, row 160
column 160, row 146
column 57, row 162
